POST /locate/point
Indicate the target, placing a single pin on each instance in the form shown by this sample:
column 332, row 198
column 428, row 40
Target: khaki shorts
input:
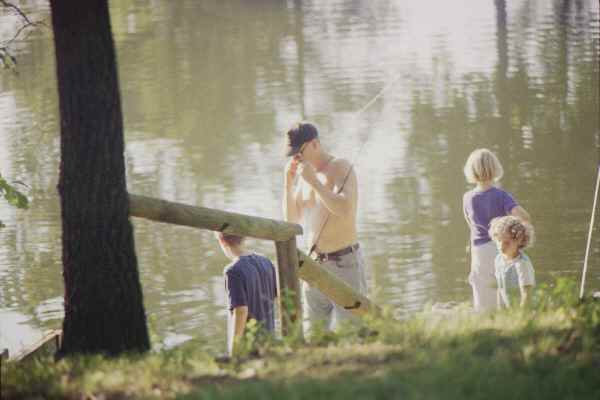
column 319, row 308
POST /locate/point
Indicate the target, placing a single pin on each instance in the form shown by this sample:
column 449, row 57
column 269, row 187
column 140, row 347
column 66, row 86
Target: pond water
column 209, row 87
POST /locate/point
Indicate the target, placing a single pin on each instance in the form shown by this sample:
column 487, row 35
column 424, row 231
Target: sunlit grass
column 550, row 350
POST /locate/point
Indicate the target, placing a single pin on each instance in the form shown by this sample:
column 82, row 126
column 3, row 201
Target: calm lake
column 209, row 87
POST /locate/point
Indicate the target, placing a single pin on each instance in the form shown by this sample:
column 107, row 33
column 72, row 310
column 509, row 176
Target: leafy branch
column 12, row 195
column 7, row 60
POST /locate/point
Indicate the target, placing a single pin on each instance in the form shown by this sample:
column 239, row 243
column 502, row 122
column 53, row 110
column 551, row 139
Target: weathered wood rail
column 211, row 219
column 336, row 289
column 292, row 264
column 47, row 345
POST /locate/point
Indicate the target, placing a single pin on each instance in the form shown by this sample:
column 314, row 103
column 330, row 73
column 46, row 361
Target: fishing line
column 353, row 163
column 589, row 238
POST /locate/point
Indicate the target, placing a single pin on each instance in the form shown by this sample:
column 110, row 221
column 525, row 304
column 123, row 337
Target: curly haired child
column 513, row 269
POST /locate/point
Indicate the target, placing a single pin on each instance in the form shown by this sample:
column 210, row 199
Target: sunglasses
column 300, row 153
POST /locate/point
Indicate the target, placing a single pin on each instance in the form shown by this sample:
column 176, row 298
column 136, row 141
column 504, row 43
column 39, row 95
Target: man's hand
column 291, row 169
column 308, row 173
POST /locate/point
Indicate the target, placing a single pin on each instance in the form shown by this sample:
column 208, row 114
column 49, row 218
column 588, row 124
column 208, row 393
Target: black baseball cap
column 299, row 134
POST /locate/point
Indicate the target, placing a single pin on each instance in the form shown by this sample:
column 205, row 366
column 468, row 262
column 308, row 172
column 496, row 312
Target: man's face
column 300, row 156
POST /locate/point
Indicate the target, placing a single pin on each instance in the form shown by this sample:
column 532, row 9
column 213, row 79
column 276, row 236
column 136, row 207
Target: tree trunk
column 104, row 310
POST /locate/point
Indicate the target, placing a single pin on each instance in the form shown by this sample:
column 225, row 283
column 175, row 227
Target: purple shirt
column 481, row 207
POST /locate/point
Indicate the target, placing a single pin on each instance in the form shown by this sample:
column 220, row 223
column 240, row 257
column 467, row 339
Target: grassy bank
column 549, row 351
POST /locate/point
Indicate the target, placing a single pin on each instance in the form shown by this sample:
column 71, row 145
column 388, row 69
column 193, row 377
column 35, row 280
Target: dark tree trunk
column 104, row 311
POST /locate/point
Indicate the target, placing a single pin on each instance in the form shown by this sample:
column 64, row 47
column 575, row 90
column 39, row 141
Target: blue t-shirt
column 482, row 207
column 250, row 281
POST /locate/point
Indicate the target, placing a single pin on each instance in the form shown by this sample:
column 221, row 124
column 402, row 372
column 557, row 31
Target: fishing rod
column 353, row 163
column 589, row 238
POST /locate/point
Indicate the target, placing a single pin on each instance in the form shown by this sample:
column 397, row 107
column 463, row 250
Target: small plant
column 255, row 341
column 294, row 337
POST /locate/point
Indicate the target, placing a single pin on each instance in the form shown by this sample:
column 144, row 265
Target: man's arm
column 238, row 303
column 342, row 203
column 292, row 211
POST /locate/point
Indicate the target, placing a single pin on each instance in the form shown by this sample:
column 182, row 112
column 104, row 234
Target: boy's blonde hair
column 483, row 166
column 518, row 230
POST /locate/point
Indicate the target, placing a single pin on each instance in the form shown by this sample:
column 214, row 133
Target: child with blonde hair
column 481, row 205
column 513, row 268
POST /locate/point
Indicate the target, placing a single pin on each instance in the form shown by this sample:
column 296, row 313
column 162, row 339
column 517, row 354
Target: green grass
column 548, row 351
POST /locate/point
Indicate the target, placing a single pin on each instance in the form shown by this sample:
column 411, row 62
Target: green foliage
column 550, row 350
column 560, row 295
column 7, row 60
column 251, row 341
column 12, row 195
column 160, row 374
column 294, row 337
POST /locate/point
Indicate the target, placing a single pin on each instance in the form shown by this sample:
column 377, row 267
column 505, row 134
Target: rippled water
column 208, row 88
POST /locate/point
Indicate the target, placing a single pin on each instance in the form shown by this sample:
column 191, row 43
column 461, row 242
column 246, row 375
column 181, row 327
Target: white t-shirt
column 513, row 274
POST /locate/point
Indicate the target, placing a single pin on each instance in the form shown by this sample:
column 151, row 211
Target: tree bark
column 104, row 310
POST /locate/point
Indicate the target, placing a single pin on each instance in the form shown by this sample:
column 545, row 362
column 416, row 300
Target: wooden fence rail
column 211, row 219
column 337, row 290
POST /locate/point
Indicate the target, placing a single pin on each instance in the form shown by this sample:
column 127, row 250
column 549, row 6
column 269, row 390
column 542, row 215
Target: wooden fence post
column 289, row 286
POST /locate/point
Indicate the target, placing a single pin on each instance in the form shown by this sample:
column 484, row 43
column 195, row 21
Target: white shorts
column 482, row 278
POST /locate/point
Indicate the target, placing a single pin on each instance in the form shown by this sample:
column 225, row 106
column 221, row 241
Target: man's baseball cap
column 299, row 134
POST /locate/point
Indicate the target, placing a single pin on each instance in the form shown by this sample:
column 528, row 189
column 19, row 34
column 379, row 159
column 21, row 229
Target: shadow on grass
column 484, row 365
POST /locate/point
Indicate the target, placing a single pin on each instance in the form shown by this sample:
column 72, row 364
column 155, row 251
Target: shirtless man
column 312, row 197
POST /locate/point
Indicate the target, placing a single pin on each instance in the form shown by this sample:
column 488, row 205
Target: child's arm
column 240, row 316
column 526, row 277
column 468, row 247
column 521, row 213
column 525, row 290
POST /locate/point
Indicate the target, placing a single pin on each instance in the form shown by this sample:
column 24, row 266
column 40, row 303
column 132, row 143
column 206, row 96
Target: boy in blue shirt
column 251, row 288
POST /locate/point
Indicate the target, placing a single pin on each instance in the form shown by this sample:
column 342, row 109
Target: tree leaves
column 7, row 60
column 12, row 195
